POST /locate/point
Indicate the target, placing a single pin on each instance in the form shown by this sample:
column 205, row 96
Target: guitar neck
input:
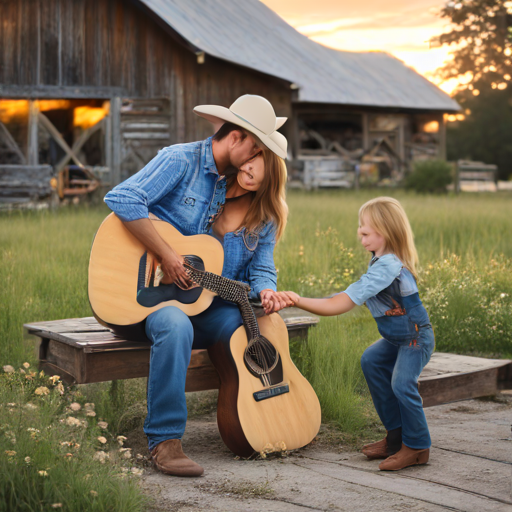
column 230, row 290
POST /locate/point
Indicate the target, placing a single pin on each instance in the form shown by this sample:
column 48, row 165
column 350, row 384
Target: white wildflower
column 8, row 368
column 72, row 422
column 75, row 406
column 101, row 456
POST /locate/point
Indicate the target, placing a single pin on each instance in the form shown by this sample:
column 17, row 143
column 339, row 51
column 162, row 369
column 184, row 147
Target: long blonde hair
column 269, row 202
column 387, row 216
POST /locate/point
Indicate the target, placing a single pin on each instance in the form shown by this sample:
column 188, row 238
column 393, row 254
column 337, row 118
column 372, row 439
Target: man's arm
column 170, row 261
column 131, row 199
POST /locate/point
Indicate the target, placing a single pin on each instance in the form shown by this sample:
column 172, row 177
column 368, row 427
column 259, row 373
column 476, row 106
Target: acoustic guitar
column 264, row 404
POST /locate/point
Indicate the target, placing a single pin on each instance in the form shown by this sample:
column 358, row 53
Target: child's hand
column 274, row 301
column 292, row 297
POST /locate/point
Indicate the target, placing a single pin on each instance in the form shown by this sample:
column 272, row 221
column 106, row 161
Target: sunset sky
column 399, row 27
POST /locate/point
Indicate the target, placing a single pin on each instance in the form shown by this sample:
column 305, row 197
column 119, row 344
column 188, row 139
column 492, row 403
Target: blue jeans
column 173, row 335
column 392, row 371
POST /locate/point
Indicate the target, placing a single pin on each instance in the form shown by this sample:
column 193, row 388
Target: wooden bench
column 80, row 351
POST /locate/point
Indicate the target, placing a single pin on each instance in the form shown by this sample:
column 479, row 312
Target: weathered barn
column 103, row 84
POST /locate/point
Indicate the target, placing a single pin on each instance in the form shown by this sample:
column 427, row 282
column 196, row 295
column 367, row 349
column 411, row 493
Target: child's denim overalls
column 393, row 364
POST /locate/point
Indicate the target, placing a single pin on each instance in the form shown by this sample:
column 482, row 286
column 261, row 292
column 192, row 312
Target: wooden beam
column 11, row 143
column 77, row 145
column 60, row 92
column 48, row 126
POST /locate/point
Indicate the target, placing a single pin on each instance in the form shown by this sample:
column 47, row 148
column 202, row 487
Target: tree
column 481, row 32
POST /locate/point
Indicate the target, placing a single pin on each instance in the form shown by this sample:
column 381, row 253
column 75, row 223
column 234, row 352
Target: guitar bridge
column 271, row 392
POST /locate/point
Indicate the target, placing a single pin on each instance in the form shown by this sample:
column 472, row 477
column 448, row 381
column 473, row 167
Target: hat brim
column 276, row 142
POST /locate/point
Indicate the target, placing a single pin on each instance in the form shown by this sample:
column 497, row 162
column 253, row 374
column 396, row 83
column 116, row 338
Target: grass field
column 465, row 282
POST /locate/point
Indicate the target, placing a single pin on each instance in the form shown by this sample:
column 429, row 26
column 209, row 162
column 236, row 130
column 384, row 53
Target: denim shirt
column 249, row 257
column 181, row 185
column 386, row 285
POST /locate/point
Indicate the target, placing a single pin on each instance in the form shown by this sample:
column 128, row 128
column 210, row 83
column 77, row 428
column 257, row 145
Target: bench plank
column 83, row 351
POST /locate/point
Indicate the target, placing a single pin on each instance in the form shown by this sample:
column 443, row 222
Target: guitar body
column 286, row 421
column 120, row 266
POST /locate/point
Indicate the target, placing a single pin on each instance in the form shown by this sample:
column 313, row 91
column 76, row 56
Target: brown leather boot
column 404, row 458
column 168, row 457
column 383, row 449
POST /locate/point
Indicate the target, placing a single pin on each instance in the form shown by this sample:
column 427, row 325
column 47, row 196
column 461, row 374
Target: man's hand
column 274, row 301
column 172, row 267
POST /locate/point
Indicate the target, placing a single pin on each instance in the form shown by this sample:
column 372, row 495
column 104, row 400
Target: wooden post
column 115, row 113
column 33, row 143
column 108, row 143
column 366, row 131
column 442, row 138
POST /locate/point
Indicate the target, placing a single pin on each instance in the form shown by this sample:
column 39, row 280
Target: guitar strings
column 260, row 355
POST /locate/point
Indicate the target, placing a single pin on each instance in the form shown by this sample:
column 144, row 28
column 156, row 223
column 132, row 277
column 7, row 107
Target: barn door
column 140, row 127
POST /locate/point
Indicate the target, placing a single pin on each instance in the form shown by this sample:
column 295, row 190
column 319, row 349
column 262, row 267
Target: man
column 185, row 185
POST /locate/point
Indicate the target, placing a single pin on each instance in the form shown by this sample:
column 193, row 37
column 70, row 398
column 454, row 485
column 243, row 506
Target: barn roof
column 250, row 34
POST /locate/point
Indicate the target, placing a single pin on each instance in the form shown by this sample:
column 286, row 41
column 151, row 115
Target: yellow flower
column 10, row 453
column 43, row 390
column 26, row 365
column 54, row 379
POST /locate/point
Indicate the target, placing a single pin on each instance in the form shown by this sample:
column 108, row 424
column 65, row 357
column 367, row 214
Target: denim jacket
column 249, row 257
column 182, row 186
column 391, row 294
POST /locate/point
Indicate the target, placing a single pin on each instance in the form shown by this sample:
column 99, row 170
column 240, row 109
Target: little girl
column 393, row 364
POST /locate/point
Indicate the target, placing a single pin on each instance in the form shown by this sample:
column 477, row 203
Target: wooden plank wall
column 113, row 43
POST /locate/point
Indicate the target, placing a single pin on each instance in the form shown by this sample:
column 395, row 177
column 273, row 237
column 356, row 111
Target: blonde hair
column 387, row 216
column 269, row 202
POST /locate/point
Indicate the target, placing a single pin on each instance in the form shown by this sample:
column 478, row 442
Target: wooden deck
column 82, row 351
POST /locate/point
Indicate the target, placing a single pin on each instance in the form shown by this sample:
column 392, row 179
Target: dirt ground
column 470, row 469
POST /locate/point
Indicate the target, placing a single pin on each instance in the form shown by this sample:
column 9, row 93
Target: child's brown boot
column 404, row 458
column 388, row 446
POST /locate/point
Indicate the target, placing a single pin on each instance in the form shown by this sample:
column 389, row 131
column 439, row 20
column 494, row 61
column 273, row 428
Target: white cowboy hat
column 253, row 113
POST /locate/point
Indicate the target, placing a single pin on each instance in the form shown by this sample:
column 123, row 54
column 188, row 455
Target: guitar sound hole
column 153, row 295
column 261, row 357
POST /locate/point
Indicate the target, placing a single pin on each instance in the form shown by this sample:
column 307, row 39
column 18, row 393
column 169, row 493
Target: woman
column 252, row 220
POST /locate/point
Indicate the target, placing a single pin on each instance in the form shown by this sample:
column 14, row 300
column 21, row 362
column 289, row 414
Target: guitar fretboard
column 231, row 290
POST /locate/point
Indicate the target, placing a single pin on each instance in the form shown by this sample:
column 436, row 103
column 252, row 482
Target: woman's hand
column 274, row 301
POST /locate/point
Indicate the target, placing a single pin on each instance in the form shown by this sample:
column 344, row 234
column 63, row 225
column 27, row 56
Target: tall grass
column 43, row 271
